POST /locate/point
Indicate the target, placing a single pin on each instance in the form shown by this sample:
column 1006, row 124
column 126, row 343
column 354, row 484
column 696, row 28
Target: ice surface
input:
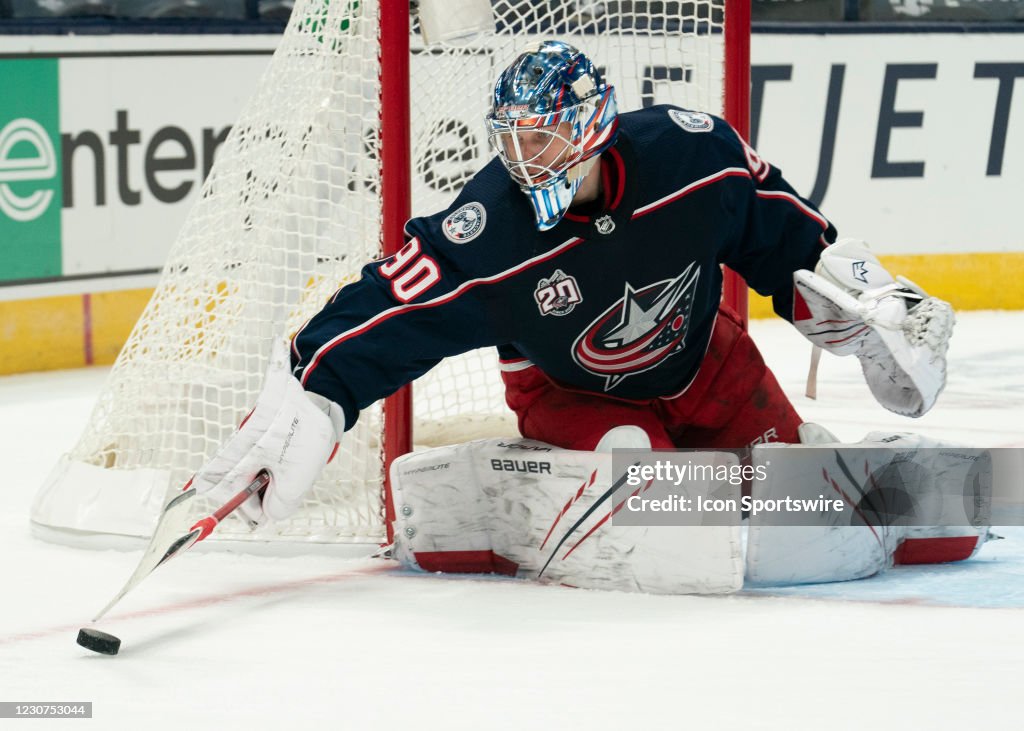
column 227, row 641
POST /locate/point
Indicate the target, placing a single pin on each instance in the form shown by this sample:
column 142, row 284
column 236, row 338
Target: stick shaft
column 259, row 482
column 207, row 524
column 166, row 543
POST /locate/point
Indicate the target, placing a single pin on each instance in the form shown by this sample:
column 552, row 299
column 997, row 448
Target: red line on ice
column 207, row 601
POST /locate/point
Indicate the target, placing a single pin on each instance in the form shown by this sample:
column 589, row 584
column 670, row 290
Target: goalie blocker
column 523, row 508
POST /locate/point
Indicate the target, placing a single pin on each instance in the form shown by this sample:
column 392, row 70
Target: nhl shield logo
column 604, row 224
column 465, row 224
column 558, row 295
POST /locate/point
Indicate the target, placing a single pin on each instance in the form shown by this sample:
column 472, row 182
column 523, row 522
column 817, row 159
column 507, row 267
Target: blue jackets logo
column 639, row 331
column 465, row 224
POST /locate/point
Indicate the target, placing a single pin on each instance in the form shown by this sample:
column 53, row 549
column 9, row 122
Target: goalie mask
column 551, row 112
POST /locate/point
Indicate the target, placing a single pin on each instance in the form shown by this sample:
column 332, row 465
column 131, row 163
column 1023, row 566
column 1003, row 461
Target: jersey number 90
column 410, row 272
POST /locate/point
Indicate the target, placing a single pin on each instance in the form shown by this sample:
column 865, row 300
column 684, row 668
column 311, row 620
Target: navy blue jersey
column 618, row 299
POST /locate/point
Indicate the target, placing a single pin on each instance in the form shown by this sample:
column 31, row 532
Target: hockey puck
column 97, row 641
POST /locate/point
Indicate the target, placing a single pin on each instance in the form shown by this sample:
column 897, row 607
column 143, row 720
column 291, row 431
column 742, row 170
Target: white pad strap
column 524, row 508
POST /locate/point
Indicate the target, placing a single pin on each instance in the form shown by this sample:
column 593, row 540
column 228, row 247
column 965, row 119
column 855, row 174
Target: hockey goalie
column 588, row 251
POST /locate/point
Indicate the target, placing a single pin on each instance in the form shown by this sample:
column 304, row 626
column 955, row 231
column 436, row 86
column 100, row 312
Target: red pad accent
column 247, row 417
column 934, row 550
column 466, row 562
column 800, row 309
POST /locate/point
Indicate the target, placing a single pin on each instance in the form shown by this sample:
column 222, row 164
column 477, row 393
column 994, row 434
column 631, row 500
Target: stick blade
column 162, row 545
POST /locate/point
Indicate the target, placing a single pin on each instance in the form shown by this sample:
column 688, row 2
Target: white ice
column 226, row 641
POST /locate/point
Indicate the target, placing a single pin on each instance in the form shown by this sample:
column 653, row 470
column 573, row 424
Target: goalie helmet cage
column 317, row 177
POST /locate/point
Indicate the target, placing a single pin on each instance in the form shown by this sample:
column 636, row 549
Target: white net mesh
column 291, row 211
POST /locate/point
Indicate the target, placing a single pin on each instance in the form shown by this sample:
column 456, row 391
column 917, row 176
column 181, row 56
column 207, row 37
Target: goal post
column 396, row 195
column 736, row 110
column 357, row 123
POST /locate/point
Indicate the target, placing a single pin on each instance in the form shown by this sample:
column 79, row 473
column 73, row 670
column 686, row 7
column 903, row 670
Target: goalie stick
column 166, row 543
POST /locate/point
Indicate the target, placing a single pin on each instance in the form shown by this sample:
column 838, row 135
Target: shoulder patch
column 692, row 121
column 465, row 224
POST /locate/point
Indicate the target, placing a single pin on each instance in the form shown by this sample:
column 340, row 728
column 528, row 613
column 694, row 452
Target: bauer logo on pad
column 465, row 224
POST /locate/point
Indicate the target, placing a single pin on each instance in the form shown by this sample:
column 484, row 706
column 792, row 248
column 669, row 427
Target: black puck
column 97, row 641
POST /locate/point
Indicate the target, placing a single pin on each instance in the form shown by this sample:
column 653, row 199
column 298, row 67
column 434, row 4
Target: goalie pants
column 734, row 401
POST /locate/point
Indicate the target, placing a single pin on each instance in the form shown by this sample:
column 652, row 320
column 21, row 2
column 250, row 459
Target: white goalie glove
column 850, row 304
column 292, row 433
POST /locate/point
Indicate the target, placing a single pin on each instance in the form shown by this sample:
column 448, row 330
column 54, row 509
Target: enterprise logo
column 40, row 164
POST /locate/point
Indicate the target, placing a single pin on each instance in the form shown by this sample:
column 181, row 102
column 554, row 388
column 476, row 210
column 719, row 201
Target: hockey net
column 292, row 210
